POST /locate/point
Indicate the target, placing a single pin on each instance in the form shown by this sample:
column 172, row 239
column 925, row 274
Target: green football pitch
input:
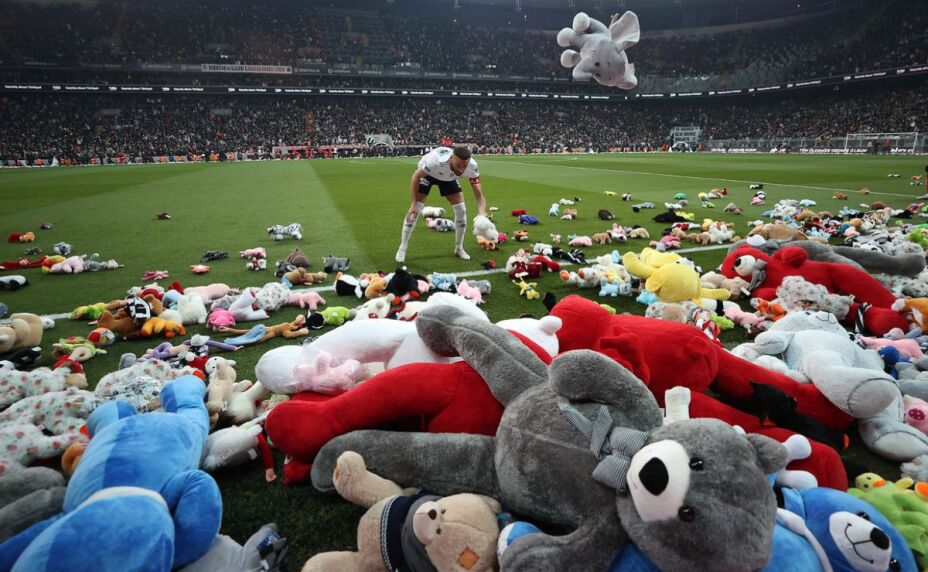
column 354, row 208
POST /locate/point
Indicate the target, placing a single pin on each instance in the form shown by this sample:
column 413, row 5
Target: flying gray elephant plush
column 581, row 446
column 602, row 50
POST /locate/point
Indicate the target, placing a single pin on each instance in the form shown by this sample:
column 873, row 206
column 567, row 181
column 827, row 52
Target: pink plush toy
column 757, row 201
column 734, row 313
column 666, row 243
column 327, row 374
column 209, row 293
column 907, row 347
column 581, row 241
column 258, row 252
column 916, row 413
column 306, row 299
column 70, row 265
column 501, row 238
column 470, row 292
column 220, row 318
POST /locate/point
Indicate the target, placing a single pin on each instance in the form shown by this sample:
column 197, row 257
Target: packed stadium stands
column 84, row 126
column 164, row 44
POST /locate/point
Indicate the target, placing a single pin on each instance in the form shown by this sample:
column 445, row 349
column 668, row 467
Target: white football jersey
column 436, row 163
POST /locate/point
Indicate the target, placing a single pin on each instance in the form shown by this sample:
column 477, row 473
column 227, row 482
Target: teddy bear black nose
column 879, row 539
column 654, row 476
column 432, row 514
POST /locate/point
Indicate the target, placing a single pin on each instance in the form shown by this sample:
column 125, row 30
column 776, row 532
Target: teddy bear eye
column 894, row 565
column 863, row 515
column 697, row 464
column 686, row 514
column 437, row 531
column 597, row 64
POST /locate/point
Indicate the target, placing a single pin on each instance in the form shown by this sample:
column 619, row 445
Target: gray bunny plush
column 581, row 446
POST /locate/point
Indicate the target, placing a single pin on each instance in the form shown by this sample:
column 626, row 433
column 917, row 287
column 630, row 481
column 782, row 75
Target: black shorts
column 446, row 188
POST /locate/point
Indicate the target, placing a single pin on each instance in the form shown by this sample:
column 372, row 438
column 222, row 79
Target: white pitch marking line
column 692, row 177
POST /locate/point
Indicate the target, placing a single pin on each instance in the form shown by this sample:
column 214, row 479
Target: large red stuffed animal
column 667, row 354
column 436, row 398
column 872, row 308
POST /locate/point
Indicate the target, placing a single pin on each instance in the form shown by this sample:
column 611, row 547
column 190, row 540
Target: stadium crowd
column 80, row 127
column 876, row 35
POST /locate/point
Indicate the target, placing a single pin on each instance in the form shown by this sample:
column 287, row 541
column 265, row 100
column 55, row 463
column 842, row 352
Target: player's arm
column 478, row 194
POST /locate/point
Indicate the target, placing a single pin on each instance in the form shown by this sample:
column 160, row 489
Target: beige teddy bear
column 24, row 331
column 402, row 530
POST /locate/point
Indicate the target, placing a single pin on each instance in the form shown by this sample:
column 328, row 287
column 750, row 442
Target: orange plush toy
column 916, row 309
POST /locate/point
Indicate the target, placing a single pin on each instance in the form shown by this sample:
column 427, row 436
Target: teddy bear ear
column 771, row 455
column 792, row 255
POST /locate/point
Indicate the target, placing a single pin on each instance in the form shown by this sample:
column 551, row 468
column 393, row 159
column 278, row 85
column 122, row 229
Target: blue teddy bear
column 818, row 530
column 137, row 500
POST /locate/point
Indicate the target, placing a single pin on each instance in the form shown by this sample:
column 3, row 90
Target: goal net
column 885, row 143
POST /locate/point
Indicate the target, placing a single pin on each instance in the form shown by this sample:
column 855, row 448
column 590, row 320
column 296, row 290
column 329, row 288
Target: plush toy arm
column 359, row 486
column 766, row 293
column 714, row 294
column 625, row 31
column 585, row 375
column 590, row 547
column 13, row 547
column 442, row 463
column 570, row 58
column 30, row 509
column 507, row 365
column 196, row 505
column 772, row 343
column 184, row 396
column 635, row 266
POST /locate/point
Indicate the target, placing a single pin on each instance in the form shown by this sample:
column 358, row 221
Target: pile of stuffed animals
column 583, row 439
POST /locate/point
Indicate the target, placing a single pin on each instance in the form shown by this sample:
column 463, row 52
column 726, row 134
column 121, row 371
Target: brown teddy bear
column 602, row 238
column 23, row 331
column 411, row 531
column 302, row 276
column 734, row 286
column 777, row 232
column 639, row 233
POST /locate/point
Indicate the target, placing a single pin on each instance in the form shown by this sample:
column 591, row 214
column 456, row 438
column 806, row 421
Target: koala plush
column 602, row 50
column 581, row 445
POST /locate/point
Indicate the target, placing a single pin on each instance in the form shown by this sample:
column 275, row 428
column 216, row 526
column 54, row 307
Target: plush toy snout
column 427, row 522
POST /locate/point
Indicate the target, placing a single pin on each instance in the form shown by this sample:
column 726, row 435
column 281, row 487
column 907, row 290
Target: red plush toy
column 436, row 398
column 667, row 354
column 872, row 306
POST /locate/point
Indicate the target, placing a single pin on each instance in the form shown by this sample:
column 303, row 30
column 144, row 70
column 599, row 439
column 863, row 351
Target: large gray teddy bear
column 692, row 495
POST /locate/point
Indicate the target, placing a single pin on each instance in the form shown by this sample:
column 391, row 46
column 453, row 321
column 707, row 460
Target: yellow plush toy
column 670, row 280
column 399, row 531
column 161, row 326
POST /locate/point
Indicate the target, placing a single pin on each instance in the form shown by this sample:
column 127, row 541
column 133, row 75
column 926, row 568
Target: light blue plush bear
column 137, row 500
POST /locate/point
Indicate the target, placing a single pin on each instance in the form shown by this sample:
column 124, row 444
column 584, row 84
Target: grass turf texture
column 354, row 208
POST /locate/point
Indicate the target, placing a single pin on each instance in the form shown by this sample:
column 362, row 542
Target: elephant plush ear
column 625, row 31
column 792, row 255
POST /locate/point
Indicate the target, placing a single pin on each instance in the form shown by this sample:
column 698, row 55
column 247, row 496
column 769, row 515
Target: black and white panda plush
column 13, row 282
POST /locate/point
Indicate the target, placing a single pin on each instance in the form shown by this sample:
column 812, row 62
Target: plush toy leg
column 824, row 462
column 570, row 58
column 229, row 556
column 29, row 510
column 733, row 380
column 887, row 435
column 590, row 547
column 300, row 428
column 507, row 365
column 196, row 504
column 442, row 463
column 857, row 391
